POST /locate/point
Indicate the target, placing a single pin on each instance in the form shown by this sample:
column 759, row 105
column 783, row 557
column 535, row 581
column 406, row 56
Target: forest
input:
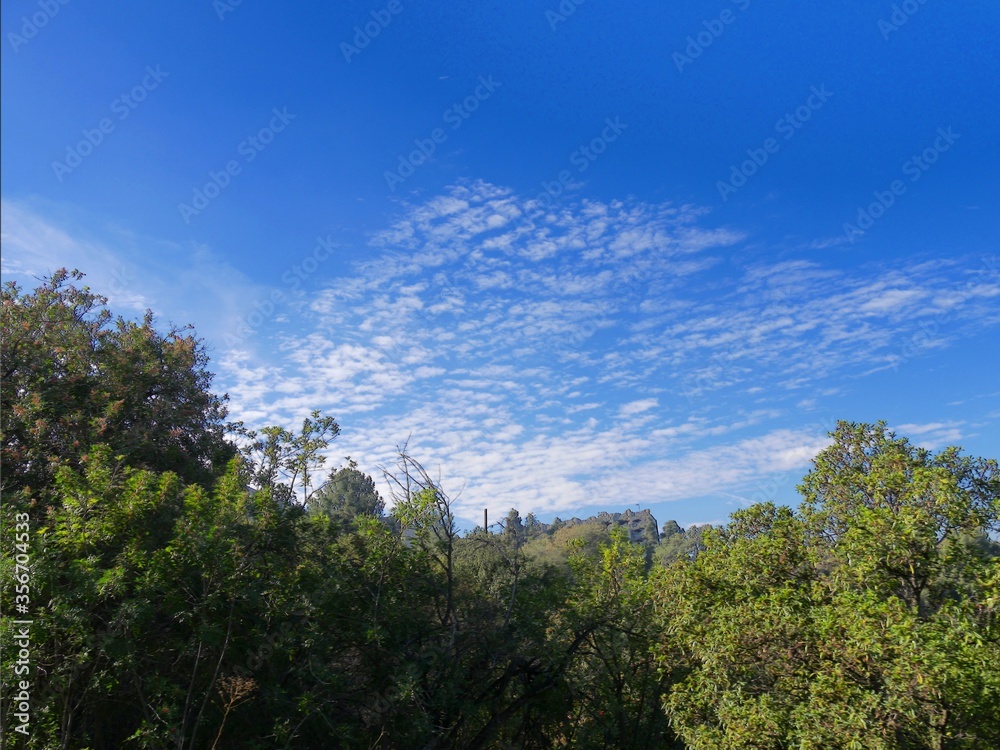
column 174, row 579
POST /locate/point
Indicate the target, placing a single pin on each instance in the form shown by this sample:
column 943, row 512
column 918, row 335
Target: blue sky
column 584, row 255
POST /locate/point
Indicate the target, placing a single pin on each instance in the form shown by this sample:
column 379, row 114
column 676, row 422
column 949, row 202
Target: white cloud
column 182, row 284
column 553, row 358
column 596, row 297
column 932, row 435
column 637, row 407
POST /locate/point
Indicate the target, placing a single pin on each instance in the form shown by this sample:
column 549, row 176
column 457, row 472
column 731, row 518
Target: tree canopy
column 866, row 619
column 73, row 376
column 347, row 495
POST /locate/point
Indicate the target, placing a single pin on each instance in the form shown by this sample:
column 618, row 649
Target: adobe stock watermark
column 582, row 158
column 914, row 168
column 249, row 148
column 20, row 702
column 714, row 28
column 31, row 25
column 768, row 487
column 455, row 116
column 901, row 13
column 222, row 7
column 786, row 127
column 447, row 292
column 563, row 11
column 363, row 35
column 122, row 106
column 120, row 281
column 267, row 308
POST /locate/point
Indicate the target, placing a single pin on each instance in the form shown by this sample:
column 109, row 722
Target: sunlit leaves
column 865, row 620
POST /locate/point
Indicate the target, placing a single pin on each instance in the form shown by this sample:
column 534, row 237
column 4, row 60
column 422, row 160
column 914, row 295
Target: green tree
column 283, row 463
column 899, row 519
column 73, row 377
column 864, row 620
column 347, row 495
column 556, row 548
column 613, row 677
column 146, row 593
column 679, row 544
column 735, row 624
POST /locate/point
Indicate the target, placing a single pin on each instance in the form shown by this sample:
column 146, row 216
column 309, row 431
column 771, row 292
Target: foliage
column 73, row 377
column 679, row 544
column 348, row 495
column 863, row 620
column 186, row 595
column 278, row 460
column 556, row 548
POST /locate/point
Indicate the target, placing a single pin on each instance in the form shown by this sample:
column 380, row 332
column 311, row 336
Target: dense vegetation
column 186, row 593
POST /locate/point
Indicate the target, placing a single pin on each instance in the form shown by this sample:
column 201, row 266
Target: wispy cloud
column 934, row 435
column 539, row 355
column 181, row 283
column 558, row 358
